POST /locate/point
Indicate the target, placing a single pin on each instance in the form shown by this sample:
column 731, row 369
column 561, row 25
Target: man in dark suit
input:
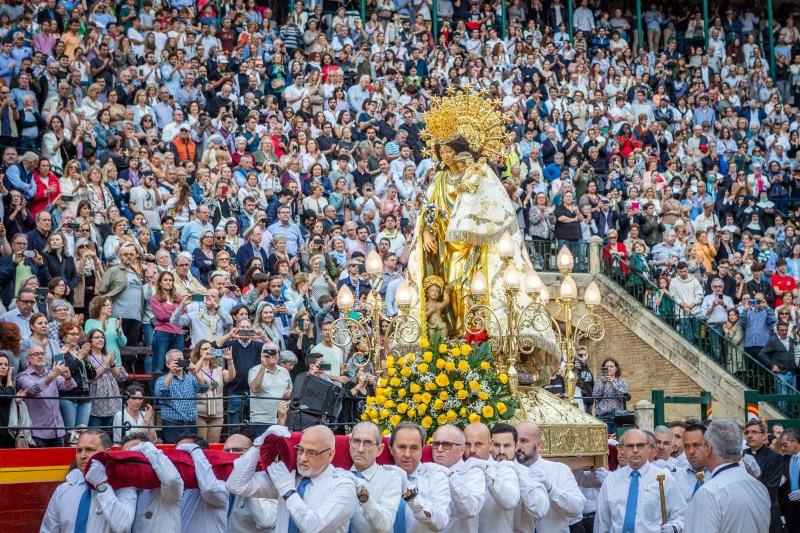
column 770, row 464
column 250, row 249
column 778, row 356
column 550, row 146
column 789, row 493
column 606, row 218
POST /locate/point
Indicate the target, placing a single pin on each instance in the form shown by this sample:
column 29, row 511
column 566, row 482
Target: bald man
column 315, row 497
column 629, row 498
column 566, row 499
column 467, row 481
column 249, row 515
column 502, row 487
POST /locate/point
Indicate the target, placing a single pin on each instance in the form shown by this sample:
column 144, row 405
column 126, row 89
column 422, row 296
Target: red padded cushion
column 132, row 469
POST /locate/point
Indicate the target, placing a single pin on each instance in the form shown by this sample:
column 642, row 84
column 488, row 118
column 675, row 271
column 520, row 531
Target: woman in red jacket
column 47, row 188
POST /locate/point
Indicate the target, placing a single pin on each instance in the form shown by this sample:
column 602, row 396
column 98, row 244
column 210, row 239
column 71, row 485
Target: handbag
column 19, row 418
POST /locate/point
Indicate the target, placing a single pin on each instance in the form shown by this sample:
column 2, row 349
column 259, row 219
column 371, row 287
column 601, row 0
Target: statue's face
column 447, row 155
column 434, row 292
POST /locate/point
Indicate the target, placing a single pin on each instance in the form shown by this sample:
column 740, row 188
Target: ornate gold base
column 569, row 435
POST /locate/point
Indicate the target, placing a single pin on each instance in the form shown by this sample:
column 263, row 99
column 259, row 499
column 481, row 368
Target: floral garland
column 451, row 384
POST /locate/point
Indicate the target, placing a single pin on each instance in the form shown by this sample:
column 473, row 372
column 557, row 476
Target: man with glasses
column 185, row 283
column 268, row 381
column 467, row 482
column 42, row 387
column 123, row 286
column 192, row 231
column 769, row 462
column 663, row 451
column 790, row 491
column 16, row 267
column 248, row 515
column 566, row 499
column 714, row 310
column 314, row 497
column 629, row 497
column 378, row 488
column 284, row 226
column 21, row 315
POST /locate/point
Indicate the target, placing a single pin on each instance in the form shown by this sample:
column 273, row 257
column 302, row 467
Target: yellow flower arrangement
column 452, row 384
column 424, row 344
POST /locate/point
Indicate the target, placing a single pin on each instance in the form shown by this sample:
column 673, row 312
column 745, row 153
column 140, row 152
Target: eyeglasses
column 445, row 445
column 636, row 445
column 29, row 302
column 269, row 353
column 182, row 264
column 310, row 453
column 235, row 450
column 753, row 432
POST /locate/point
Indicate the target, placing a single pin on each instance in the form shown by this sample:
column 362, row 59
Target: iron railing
column 711, row 341
column 543, row 254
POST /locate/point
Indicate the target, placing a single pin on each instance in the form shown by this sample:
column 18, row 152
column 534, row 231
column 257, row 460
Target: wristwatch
column 288, row 494
column 101, row 487
column 409, row 495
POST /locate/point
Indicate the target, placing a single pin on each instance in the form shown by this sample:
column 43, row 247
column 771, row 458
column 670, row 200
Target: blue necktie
column 359, row 475
column 696, row 487
column 400, row 518
column 629, row 525
column 301, row 490
column 83, row 511
column 231, row 500
column 794, row 472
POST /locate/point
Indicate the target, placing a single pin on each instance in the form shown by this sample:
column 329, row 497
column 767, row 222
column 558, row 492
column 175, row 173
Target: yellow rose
column 402, row 408
column 389, row 404
column 474, row 417
column 424, row 343
column 401, row 361
column 474, row 385
column 379, row 400
column 463, row 366
column 466, row 349
column 437, row 405
column 414, row 388
column 395, row 419
column 485, row 365
column 449, row 366
column 462, row 394
column 386, row 432
column 426, row 397
column 391, row 371
column 451, row 415
column 503, row 378
column 487, row 411
column 427, row 357
column 430, row 385
column 463, row 411
column 441, row 419
column 483, row 396
column 440, row 364
column 422, row 368
column 370, row 400
column 401, row 393
column 389, row 361
column 373, row 413
column 416, row 398
column 443, row 395
column 442, row 348
column 384, row 414
column 405, row 372
column 411, row 358
column 501, row 408
column 426, row 422
column 383, row 382
column 395, row 382
column 458, row 385
column 442, row 380
column 364, row 416
column 455, row 352
column 421, row 408
column 411, row 413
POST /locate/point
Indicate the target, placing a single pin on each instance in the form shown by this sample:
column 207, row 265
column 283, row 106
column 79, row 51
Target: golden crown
column 432, row 280
column 467, row 113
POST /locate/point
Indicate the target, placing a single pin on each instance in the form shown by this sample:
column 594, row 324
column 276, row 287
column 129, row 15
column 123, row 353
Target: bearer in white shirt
column 76, row 507
column 566, row 499
column 467, row 481
column 629, row 499
column 157, row 510
column 204, row 509
column 731, row 500
column 695, row 450
column 534, row 503
column 425, row 505
column 315, row 497
column 248, row 515
column 502, row 487
column 378, row 488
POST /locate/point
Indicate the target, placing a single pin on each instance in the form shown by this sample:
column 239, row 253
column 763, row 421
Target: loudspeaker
column 298, row 420
column 315, row 396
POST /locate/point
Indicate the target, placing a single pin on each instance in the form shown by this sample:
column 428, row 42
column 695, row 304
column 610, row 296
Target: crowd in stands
column 186, row 186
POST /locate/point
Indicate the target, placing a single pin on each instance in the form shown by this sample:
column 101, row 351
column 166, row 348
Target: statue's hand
column 428, row 241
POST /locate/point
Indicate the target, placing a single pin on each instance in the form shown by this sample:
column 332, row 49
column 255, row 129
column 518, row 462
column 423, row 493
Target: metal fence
column 543, row 254
column 711, row 341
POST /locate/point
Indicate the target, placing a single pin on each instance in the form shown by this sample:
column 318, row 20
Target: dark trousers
column 57, row 442
column 172, row 429
column 133, row 330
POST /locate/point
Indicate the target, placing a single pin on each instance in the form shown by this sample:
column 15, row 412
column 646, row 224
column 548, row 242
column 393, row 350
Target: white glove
column 281, row 477
column 279, row 431
column 751, row 465
column 145, row 448
column 187, row 447
column 97, row 474
column 794, row 496
column 538, row 476
column 668, row 528
column 359, row 481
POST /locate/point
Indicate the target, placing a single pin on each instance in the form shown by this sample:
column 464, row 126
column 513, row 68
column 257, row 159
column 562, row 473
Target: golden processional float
column 475, row 333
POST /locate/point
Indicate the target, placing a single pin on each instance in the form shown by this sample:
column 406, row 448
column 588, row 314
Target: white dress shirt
column 730, row 501
column 590, row 482
column 328, row 503
column 108, row 511
column 534, row 502
column 252, row 515
column 687, row 480
column 159, row 510
column 613, row 501
column 566, row 499
column 501, row 498
column 385, row 486
column 430, row 509
column 467, row 492
column 204, row 509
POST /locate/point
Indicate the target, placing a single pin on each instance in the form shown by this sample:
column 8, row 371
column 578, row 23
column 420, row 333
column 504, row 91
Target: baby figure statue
column 436, row 302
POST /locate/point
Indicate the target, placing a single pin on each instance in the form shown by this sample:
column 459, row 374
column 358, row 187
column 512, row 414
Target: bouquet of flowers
column 447, row 382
